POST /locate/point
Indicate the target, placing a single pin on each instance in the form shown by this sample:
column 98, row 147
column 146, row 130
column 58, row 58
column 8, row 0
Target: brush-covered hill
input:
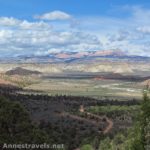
column 22, row 72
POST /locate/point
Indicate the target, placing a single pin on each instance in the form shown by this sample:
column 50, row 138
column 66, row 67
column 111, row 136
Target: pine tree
column 145, row 122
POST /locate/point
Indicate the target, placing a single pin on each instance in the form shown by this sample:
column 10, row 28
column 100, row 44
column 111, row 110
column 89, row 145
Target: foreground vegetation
column 57, row 120
column 136, row 137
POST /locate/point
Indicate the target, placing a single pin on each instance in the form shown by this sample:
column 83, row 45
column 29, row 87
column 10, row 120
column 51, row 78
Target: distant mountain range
column 66, row 55
column 56, row 57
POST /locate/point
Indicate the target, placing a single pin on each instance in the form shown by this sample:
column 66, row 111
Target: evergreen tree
column 16, row 126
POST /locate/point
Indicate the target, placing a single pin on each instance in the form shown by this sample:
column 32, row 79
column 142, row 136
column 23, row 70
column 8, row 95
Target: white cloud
column 24, row 37
column 55, row 15
column 130, row 34
column 144, row 29
column 36, row 25
column 6, row 21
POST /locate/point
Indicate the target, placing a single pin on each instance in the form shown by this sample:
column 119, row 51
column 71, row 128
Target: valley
column 88, row 103
column 99, row 77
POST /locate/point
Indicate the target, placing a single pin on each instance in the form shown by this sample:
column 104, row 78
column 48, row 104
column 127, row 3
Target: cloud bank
column 59, row 31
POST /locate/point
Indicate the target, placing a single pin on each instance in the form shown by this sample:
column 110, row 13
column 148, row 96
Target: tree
column 142, row 130
column 16, row 126
column 145, row 122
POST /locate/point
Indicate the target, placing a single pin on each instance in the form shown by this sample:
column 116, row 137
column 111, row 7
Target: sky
column 40, row 27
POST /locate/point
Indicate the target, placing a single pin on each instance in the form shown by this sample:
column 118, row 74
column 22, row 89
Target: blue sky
column 43, row 26
column 26, row 8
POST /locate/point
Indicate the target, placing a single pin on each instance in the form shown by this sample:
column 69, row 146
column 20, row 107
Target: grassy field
column 91, row 87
